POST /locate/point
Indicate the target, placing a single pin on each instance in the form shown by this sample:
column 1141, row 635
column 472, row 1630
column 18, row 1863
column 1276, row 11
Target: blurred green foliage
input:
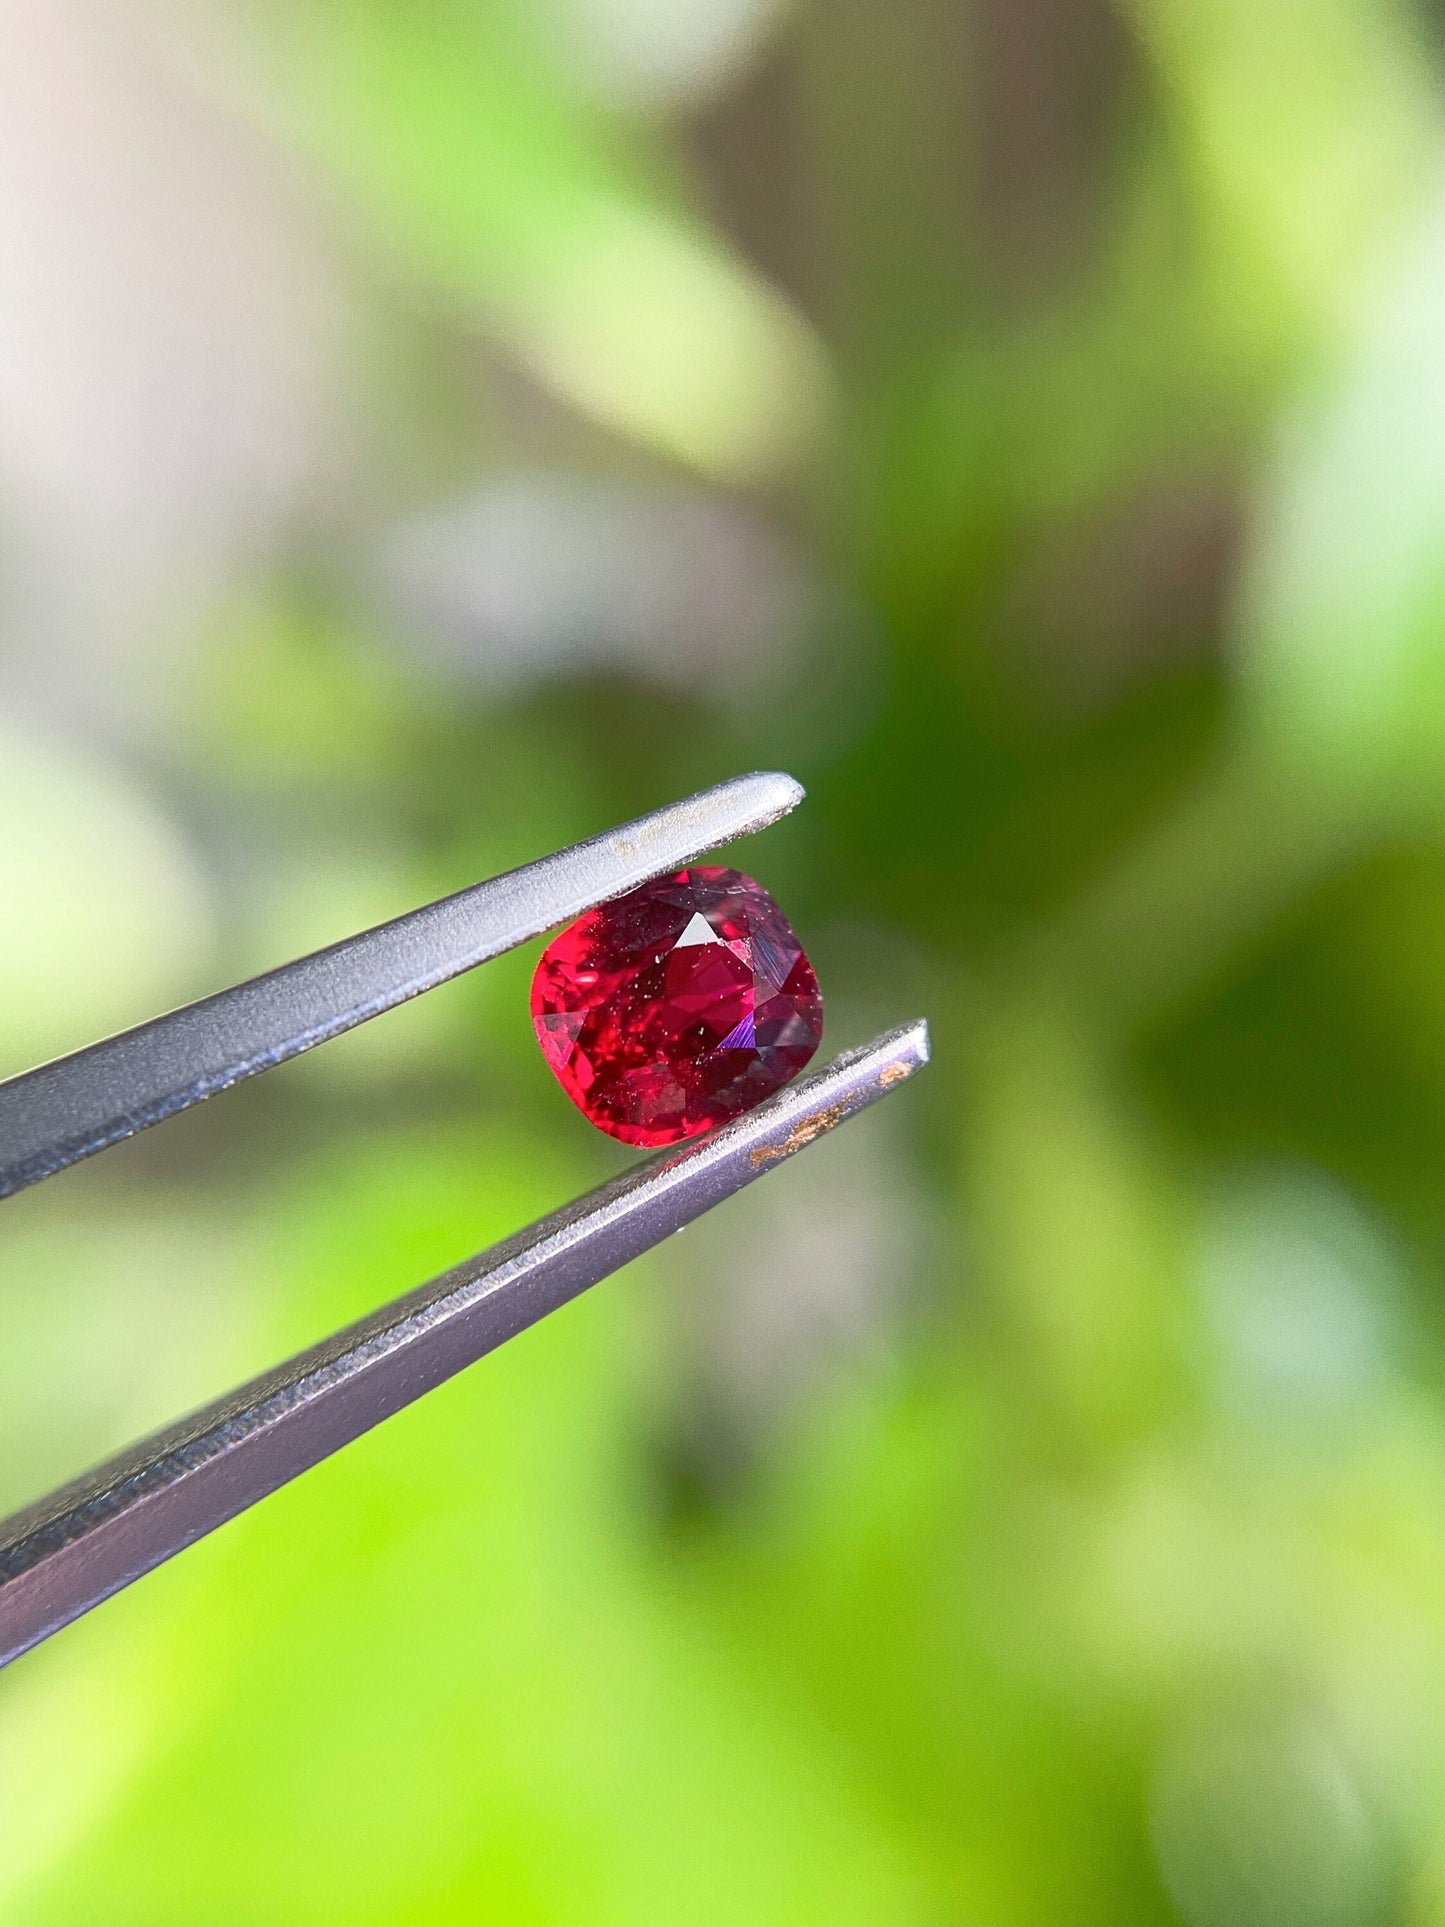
column 1030, row 1513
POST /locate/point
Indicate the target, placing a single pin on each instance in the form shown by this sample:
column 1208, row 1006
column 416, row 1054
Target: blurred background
column 434, row 430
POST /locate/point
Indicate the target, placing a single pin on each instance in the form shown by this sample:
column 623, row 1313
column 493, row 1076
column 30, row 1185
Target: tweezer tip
column 776, row 793
column 908, row 1048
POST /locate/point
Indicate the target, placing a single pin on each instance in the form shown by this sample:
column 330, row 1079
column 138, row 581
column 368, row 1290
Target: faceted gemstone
column 676, row 1007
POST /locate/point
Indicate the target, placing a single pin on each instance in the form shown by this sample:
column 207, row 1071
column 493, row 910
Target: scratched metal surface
column 68, row 1552
column 63, row 1111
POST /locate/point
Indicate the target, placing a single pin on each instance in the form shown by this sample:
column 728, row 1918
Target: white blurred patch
column 1303, row 1296
column 660, row 53
column 798, row 1284
column 645, row 322
column 104, row 915
column 1340, row 620
column 535, row 575
column 166, row 339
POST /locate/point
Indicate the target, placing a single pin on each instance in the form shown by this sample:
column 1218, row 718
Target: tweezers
column 69, row 1551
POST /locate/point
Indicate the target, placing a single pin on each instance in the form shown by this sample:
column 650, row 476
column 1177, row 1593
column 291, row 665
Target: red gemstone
column 676, row 1007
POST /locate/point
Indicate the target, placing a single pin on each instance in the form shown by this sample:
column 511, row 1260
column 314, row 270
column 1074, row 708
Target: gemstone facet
column 676, row 1007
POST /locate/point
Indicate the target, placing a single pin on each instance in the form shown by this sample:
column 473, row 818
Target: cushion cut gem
column 676, row 1007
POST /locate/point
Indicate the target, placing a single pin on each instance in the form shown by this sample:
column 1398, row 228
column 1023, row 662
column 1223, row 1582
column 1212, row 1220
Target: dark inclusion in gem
column 676, row 1007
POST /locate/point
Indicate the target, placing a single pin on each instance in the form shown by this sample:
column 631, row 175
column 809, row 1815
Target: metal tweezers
column 74, row 1548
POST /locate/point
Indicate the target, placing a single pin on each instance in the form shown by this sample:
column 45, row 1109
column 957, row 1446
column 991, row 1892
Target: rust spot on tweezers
column 803, row 1132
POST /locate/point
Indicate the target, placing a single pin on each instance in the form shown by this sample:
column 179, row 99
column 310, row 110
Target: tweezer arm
column 64, row 1111
column 67, row 1553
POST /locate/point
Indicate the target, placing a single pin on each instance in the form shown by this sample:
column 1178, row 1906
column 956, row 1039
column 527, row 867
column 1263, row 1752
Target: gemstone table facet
column 676, row 1007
